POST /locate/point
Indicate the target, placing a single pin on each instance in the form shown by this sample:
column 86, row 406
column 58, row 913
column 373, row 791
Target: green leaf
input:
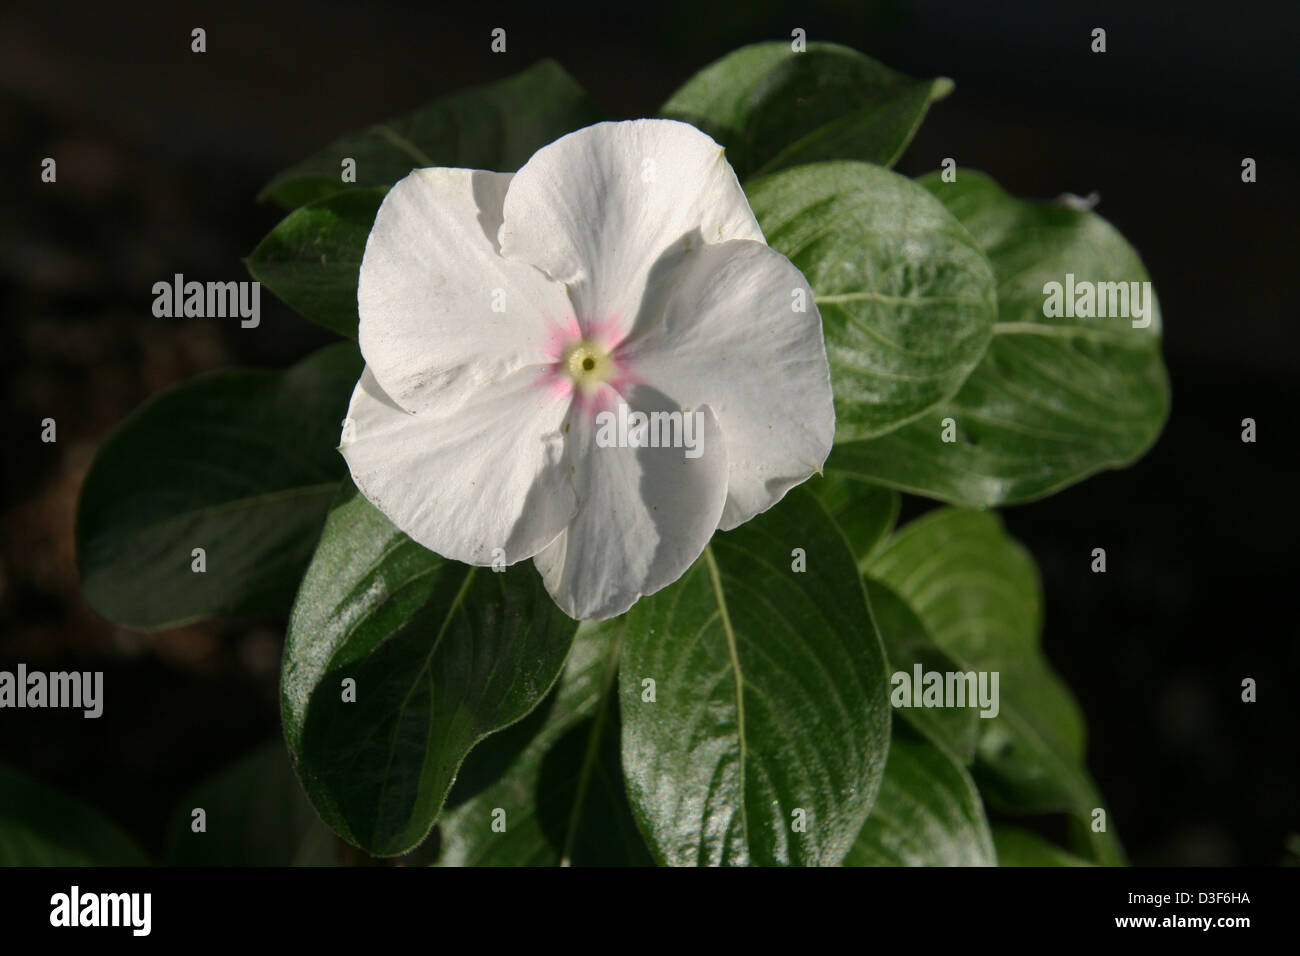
column 906, row 297
column 496, row 127
column 255, row 814
column 978, row 595
column 928, row 813
column 241, row 463
column 562, row 795
column 1017, row 847
column 770, row 706
column 864, row 512
column 1054, row 400
column 907, row 645
column 442, row 654
column 773, row 108
column 39, row 826
column 312, row 258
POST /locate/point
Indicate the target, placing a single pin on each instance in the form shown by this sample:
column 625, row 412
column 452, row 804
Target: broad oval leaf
column 560, row 799
column 906, row 297
column 908, row 645
column 397, row 663
column 773, row 108
column 865, row 514
column 765, row 739
column 496, row 126
column 312, row 258
column 40, row 826
column 241, row 464
column 928, row 813
column 977, row 592
column 1054, row 400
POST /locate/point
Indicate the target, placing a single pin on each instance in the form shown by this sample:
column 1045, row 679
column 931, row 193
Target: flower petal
column 442, row 313
column 645, row 514
column 721, row 327
column 597, row 208
column 490, row 476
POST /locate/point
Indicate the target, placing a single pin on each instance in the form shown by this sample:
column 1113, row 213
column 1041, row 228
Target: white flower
column 500, row 315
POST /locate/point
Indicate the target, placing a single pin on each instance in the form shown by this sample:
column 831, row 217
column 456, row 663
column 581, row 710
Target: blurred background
column 161, row 152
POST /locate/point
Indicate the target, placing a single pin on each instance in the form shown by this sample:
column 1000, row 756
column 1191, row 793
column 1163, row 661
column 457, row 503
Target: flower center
column 588, row 364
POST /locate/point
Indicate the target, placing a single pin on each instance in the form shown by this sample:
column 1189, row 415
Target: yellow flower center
column 588, row 364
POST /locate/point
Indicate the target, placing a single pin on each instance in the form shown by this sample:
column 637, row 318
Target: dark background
column 161, row 152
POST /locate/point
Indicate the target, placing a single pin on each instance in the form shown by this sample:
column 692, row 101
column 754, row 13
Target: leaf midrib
column 715, row 577
column 456, row 603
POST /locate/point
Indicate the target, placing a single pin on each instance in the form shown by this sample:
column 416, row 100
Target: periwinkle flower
column 507, row 321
